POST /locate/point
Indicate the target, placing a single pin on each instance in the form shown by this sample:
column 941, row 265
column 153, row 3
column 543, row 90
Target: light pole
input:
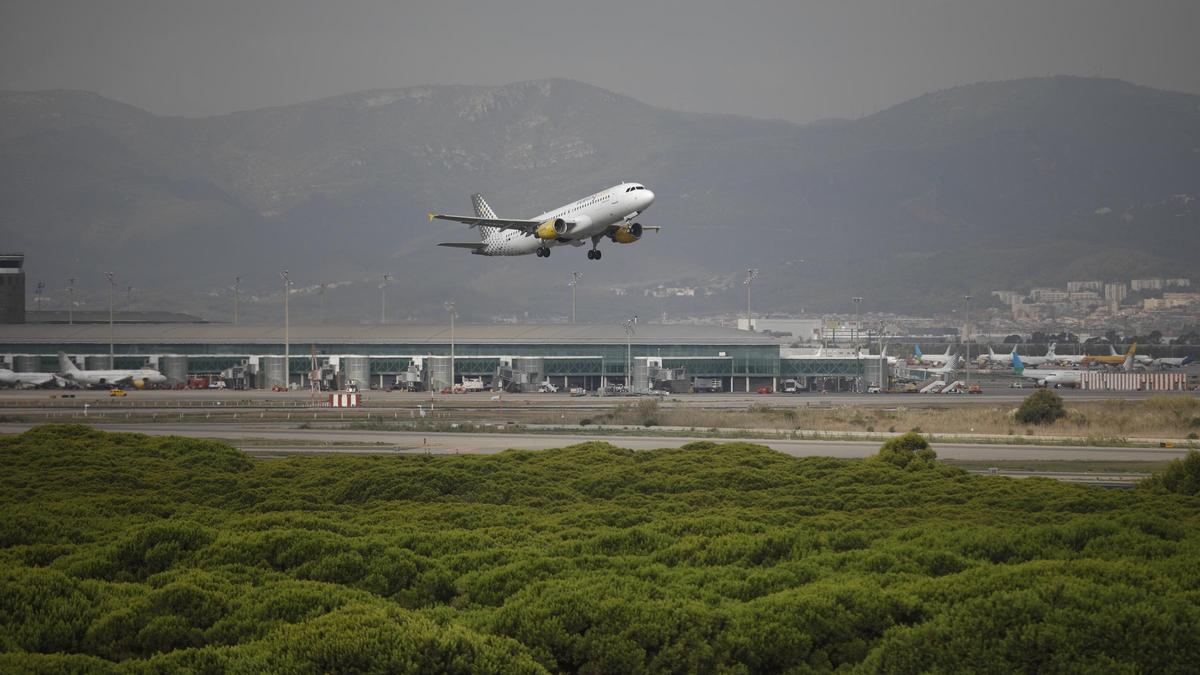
column 237, row 283
column 629, row 324
column 287, row 345
column 71, row 301
column 383, row 299
column 37, row 295
column 112, row 288
column 751, row 275
column 450, row 309
column 128, row 297
column 857, row 321
column 574, row 282
column 321, row 293
column 967, row 334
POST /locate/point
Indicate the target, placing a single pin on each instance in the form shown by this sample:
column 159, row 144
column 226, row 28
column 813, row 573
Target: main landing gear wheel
column 543, row 252
column 594, row 254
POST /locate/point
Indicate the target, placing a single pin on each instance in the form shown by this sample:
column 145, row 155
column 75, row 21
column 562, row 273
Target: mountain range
column 992, row 185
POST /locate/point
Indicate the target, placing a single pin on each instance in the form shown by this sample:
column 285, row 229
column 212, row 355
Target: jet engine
column 627, row 234
column 551, row 229
column 139, row 384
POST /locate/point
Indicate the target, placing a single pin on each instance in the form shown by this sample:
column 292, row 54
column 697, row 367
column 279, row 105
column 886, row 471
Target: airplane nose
column 648, row 196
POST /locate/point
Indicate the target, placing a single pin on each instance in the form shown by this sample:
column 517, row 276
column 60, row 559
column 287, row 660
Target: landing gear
column 543, row 252
column 594, row 254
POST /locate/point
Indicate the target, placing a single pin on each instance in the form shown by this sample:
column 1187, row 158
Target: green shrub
column 907, row 450
column 1181, row 476
column 1041, row 407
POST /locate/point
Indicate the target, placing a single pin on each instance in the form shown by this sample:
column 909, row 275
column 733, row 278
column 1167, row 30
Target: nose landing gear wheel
column 594, row 254
column 543, row 252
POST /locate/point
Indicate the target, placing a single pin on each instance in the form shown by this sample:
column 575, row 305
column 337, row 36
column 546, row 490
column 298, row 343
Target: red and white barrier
column 345, row 400
column 1134, row 381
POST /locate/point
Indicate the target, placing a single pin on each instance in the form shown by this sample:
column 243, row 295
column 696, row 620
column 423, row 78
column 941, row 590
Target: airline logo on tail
column 1018, row 367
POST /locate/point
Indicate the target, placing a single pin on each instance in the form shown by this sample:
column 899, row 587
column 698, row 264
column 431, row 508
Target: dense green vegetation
column 1041, row 407
column 126, row 552
column 1181, row 475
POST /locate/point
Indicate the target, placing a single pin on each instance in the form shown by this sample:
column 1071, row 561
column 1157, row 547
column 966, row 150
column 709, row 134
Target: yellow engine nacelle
column 138, row 384
column 551, row 229
column 627, row 234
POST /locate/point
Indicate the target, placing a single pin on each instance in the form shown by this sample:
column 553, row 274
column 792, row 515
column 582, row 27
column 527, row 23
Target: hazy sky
column 792, row 60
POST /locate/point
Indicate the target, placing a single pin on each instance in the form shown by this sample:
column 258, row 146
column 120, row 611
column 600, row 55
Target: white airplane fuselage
column 12, row 379
column 101, row 378
column 585, row 219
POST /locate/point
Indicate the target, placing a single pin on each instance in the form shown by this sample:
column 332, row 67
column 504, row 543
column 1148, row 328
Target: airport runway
column 280, row 439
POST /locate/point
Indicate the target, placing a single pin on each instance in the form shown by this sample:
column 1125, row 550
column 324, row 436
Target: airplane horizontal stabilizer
column 476, row 246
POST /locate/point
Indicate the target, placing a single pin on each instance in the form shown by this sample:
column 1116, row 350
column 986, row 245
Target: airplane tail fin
column 1018, row 367
column 1132, row 350
column 1186, row 360
column 65, row 365
column 482, row 210
column 917, row 351
column 1050, row 352
column 1127, row 366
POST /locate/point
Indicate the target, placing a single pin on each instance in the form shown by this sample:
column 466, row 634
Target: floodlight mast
column 287, row 344
column 112, row 288
column 628, row 324
column 450, row 309
column 751, row 275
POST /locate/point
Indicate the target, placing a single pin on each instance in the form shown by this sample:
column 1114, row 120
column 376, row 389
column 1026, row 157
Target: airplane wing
column 473, row 246
column 499, row 223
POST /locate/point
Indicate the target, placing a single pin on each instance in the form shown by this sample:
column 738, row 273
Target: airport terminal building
column 574, row 355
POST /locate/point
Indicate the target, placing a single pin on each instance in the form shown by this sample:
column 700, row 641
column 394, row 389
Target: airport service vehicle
column 139, row 377
column 873, row 389
column 975, row 389
column 791, row 386
column 117, row 393
column 547, row 388
column 578, row 391
column 472, row 384
column 763, row 390
column 610, row 213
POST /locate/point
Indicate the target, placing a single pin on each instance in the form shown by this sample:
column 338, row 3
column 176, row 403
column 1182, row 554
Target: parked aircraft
column 9, row 378
column 1047, row 376
column 1115, row 359
column 609, row 213
column 931, row 358
column 949, row 367
column 1073, row 359
column 1172, row 362
column 105, row 378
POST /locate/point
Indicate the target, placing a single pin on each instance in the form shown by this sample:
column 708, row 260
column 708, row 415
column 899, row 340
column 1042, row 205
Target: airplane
column 105, row 378
column 1172, row 362
column 609, row 213
column 28, row 380
column 993, row 357
column 950, row 367
column 867, row 355
column 1115, row 359
column 931, row 358
column 1047, row 377
column 1035, row 361
column 1073, row 359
